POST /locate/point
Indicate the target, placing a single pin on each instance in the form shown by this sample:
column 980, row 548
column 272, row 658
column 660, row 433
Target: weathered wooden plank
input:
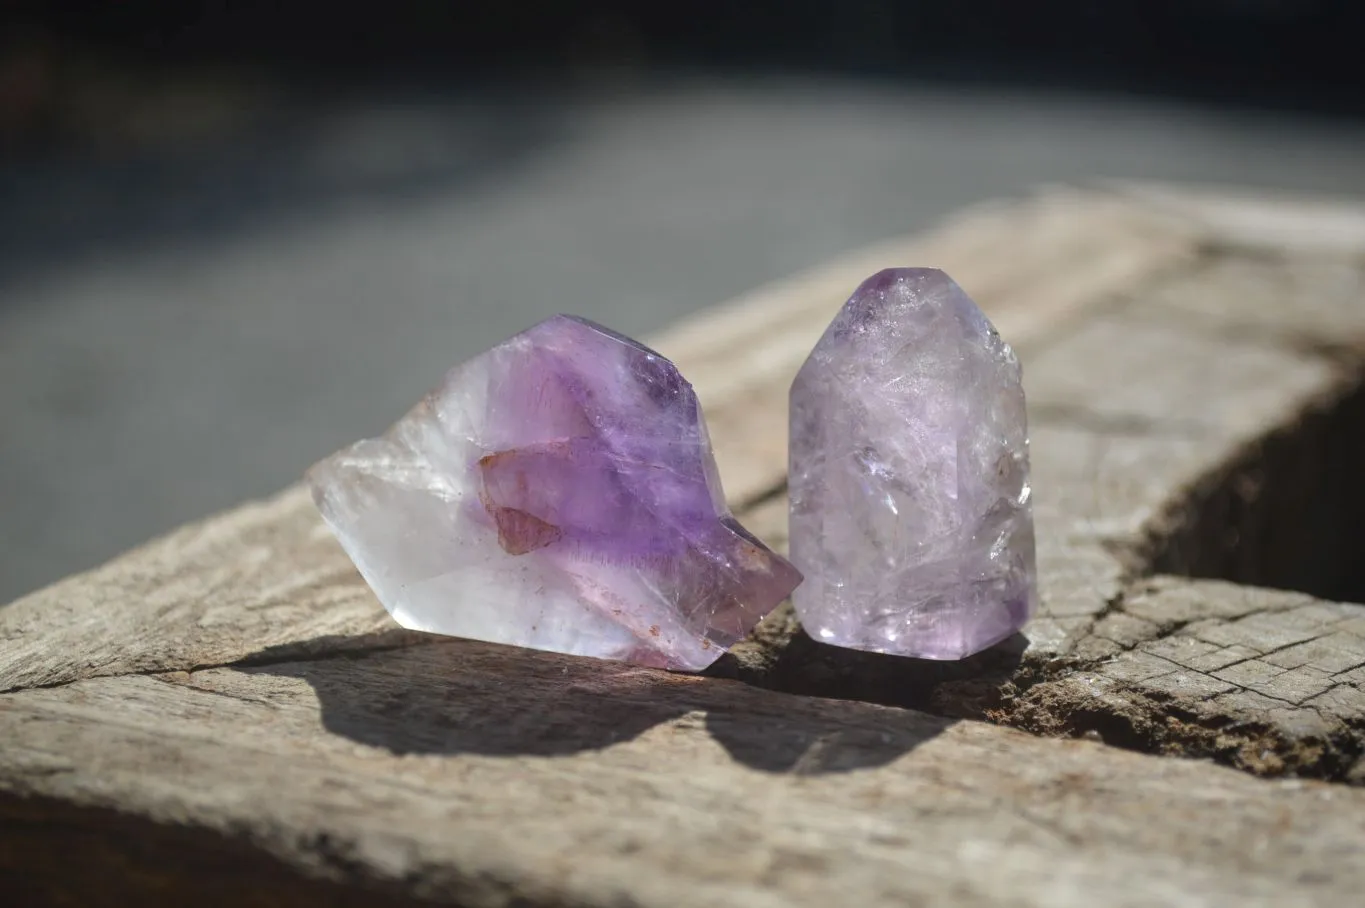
column 1170, row 444
column 269, row 573
column 483, row 776
column 236, row 683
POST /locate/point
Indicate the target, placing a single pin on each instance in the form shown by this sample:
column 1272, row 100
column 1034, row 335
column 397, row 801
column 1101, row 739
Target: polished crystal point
column 910, row 513
column 556, row 492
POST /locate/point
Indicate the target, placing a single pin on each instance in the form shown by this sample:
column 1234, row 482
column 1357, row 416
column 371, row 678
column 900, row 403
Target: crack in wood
column 1211, row 713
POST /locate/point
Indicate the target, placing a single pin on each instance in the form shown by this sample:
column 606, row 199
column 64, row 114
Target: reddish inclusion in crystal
column 557, row 492
column 519, row 530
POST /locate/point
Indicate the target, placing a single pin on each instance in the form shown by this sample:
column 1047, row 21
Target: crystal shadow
column 783, row 657
column 414, row 694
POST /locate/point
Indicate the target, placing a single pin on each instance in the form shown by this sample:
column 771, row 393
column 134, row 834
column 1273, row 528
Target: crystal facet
column 556, row 492
column 910, row 513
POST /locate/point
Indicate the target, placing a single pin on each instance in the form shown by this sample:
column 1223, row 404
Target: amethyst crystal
column 910, row 513
column 556, row 492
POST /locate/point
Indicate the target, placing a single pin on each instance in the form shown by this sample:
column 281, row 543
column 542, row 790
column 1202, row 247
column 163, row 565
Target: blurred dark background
column 1295, row 52
column 238, row 235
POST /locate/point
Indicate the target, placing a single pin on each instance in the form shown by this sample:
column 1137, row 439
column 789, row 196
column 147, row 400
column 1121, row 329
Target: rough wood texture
column 226, row 715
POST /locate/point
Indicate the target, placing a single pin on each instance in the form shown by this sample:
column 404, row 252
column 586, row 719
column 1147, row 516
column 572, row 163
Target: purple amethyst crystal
column 910, row 513
column 556, row 492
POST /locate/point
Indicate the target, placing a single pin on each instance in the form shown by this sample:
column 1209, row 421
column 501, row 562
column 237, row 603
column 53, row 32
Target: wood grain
column 227, row 716
column 483, row 776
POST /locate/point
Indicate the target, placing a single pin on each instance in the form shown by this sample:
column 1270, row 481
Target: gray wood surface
column 227, row 715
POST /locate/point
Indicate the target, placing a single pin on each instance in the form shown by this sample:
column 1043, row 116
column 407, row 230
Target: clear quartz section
column 909, row 475
column 556, row 492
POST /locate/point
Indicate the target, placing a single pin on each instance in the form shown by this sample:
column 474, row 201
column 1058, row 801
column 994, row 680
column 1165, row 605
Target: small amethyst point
column 910, row 511
column 556, row 492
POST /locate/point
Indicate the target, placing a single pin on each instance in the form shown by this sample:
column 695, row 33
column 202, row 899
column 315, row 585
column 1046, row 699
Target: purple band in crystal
column 556, row 492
